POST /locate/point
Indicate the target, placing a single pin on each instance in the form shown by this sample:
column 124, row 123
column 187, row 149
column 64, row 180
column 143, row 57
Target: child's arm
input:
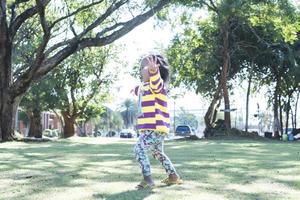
column 156, row 82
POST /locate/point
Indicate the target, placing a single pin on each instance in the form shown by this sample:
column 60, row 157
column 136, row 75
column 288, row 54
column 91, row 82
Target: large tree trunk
column 247, row 100
column 225, row 68
column 8, row 110
column 35, row 128
column 69, row 127
column 6, row 100
column 6, row 119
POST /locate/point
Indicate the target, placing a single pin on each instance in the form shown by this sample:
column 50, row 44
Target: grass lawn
column 104, row 168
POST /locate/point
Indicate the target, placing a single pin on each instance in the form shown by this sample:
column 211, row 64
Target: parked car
column 183, row 130
column 127, row 133
column 97, row 133
column 111, row 134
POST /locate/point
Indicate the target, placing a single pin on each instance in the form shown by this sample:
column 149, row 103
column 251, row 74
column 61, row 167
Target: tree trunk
column 287, row 114
column 6, row 119
column 82, row 128
column 247, row 100
column 35, row 128
column 127, row 119
column 214, row 118
column 224, row 73
column 61, row 122
column 296, row 108
column 292, row 118
column 276, row 125
column 69, row 127
column 8, row 110
column 211, row 112
column 6, row 101
column 280, row 114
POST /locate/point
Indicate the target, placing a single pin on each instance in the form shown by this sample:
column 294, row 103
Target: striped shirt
column 154, row 107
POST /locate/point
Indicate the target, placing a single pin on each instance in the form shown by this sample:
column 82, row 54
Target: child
column 153, row 121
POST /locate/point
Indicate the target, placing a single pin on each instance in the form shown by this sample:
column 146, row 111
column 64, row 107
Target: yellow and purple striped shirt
column 154, row 105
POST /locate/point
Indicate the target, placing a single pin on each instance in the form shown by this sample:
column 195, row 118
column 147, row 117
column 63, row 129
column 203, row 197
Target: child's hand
column 152, row 61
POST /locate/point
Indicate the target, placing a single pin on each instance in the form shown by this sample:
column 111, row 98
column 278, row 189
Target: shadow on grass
column 127, row 195
column 63, row 164
column 60, row 164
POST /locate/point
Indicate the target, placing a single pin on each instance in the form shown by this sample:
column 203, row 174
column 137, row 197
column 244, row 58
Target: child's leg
column 141, row 156
column 146, row 140
column 159, row 154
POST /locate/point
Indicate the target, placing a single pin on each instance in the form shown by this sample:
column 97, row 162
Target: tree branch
column 75, row 12
column 127, row 27
column 76, row 45
column 57, row 45
column 13, row 7
column 96, row 23
column 40, row 50
column 110, row 28
column 211, row 6
column 15, row 25
column 3, row 22
column 212, row 3
column 41, row 11
column 100, row 19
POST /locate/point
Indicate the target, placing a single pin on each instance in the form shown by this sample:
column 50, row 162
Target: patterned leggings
column 151, row 140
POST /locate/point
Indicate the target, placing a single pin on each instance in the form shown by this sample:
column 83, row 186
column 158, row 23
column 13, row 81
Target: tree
column 91, row 111
column 278, row 34
column 196, row 62
column 211, row 52
column 88, row 24
column 225, row 15
column 33, row 103
column 73, row 91
column 129, row 112
column 81, row 86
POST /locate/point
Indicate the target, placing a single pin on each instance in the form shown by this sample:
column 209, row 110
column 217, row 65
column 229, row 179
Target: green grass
column 104, row 168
